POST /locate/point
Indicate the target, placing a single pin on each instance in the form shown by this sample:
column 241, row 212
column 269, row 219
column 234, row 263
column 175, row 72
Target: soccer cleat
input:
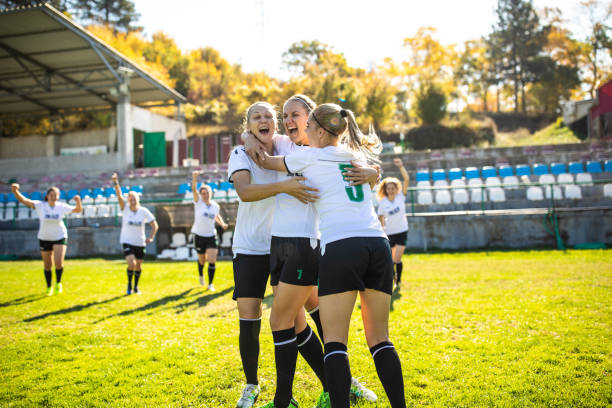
column 211, row 287
column 201, row 280
column 359, row 391
column 292, row 404
column 58, row 288
column 323, row 401
column 50, row 291
column 249, row 396
column 136, row 291
column 129, row 291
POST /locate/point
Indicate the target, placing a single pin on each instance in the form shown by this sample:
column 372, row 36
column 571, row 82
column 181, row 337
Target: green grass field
column 498, row 329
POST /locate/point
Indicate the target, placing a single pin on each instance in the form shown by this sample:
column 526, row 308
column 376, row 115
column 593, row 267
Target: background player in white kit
column 52, row 233
column 392, row 215
column 205, row 214
column 132, row 237
column 355, row 253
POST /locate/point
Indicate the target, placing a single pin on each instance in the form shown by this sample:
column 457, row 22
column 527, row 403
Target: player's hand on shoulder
column 295, row 188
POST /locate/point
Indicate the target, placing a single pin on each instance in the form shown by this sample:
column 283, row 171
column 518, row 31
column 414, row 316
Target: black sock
column 314, row 314
column 200, row 269
column 285, row 355
column 58, row 274
column 249, row 348
column 48, row 277
column 337, row 374
column 310, row 348
column 211, row 272
column 136, row 278
column 398, row 271
column 130, row 273
column 389, row 369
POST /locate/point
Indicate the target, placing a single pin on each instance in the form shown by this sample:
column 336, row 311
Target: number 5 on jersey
column 354, row 193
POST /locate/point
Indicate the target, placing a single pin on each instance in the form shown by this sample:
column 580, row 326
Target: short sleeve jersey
column 52, row 226
column 204, row 218
column 252, row 234
column 292, row 218
column 133, row 226
column 394, row 213
column 344, row 211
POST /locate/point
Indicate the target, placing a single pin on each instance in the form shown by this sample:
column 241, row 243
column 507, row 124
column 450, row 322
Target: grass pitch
column 498, row 329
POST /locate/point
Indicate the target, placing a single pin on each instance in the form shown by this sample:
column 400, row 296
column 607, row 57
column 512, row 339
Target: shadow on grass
column 202, row 300
column 267, row 301
column 71, row 309
column 23, row 300
column 153, row 305
column 395, row 296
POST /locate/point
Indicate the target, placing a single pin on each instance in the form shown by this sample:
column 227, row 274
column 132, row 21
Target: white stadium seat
column 547, row 179
column 89, row 211
column 607, row 190
column 167, row 254
column 23, row 213
column 458, row 183
column 460, row 196
column 492, row 182
column 425, row 198
column 475, row 182
column 565, row 178
column 87, row 200
column 511, row 182
column 182, row 253
column 232, row 195
column 226, row 239
column 535, row 193
column 188, row 195
column 497, row 195
column 584, row 179
column 556, row 190
column 477, row 195
column 423, row 184
column 219, row 195
column 443, row 197
column 440, row 183
column 103, row 210
column 573, row 192
column 5, row 215
column 178, row 240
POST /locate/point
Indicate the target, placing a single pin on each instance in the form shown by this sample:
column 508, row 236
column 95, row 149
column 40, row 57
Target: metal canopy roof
column 49, row 64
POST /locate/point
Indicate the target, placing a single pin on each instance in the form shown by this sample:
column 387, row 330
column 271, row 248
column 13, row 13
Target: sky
column 255, row 33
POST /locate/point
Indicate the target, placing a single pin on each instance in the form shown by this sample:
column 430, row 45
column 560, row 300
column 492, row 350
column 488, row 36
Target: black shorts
column 356, row 264
column 48, row 245
column 203, row 243
column 250, row 275
column 137, row 251
column 398, row 239
column 293, row 261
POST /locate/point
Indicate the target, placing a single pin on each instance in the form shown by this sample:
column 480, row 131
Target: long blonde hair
column 336, row 121
column 382, row 187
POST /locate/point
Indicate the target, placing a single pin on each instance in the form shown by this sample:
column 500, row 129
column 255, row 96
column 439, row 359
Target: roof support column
column 176, row 136
column 125, row 137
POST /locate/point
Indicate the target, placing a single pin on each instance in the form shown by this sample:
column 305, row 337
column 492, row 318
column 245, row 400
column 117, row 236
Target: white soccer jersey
column 204, row 218
column 394, row 213
column 133, row 226
column 52, row 226
column 254, row 219
column 292, row 218
column 344, row 211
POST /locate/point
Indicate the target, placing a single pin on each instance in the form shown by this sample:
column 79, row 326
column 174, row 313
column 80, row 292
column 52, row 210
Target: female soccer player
column 392, row 215
column 355, row 252
column 205, row 213
column 52, row 233
column 132, row 236
column 256, row 189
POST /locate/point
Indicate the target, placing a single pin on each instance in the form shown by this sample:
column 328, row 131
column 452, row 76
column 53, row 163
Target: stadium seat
column 423, row 184
column 554, row 190
column 11, row 200
column 438, row 174
column 193, row 254
column 97, row 192
column 89, row 211
column 497, row 195
column 535, row 193
column 457, row 183
column 573, row 192
column 546, row 179
column 510, row 182
column 103, row 210
column 220, row 195
column 183, row 188
column 455, row 174
column 178, row 239
column 36, row 195
column 540, row 169
column 5, row 215
column 137, row 189
column 493, row 182
column 232, row 195
column 584, row 179
column 576, row 168
column 477, row 195
column 471, row 173
column 88, row 200
column 608, row 166
column 558, row 168
column 441, row 183
column 474, row 182
column 425, row 198
column 225, row 185
column 594, row 167
column 167, row 254
column 85, row 192
column 182, row 254
column 506, row 171
column 109, row 191
column 443, row 197
column 422, row 175
column 125, row 190
column 461, row 196
column 226, row 239
column 565, row 178
column 213, row 186
column 489, row 171
column 23, row 213
column 188, row 195
column 607, row 190
column 523, row 170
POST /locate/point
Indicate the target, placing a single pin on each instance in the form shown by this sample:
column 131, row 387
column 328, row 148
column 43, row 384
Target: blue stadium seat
column 71, row 193
column 85, row 192
column 472, row 173
column 523, row 170
column 489, row 171
column 540, row 169
column 225, row 185
column 183, row 188
column 576, row 168
column 608, row 166
column 36, row 195
column 109, row 191
column 422, row 175
column 137, row 189
column 439, row 174
column 213, row 186
column 558, row 168
column 26, row 195
column 505, row 171
column 594, row 167
column 2, row 198
column 63, row 195
column 10, row 198
column 125, row 189
column 455, row 174
column 97, row 192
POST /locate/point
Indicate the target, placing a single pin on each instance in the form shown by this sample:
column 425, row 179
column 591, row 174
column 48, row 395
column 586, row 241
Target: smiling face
column 52, row 195
column 205, row 193
column 295, row 118
column 391, row 189
column 262, row 122
column 133, row 200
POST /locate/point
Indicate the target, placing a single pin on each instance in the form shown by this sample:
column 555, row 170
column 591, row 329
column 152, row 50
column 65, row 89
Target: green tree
column 120, row 14
column 431, row 104
column 596, row 61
